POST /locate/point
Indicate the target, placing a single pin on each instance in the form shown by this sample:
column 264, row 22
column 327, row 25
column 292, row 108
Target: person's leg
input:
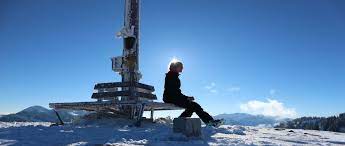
column 190, row 107
column 188, row 112
column 181, row 102
column 204, row 116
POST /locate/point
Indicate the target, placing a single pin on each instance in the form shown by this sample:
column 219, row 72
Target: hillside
column 41, row 114
column 333, row 123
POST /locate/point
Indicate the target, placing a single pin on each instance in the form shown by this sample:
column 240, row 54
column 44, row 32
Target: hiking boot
column 216, row 123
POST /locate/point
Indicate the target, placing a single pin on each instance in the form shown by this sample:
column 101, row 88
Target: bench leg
column 59, row 118
column 151, row 116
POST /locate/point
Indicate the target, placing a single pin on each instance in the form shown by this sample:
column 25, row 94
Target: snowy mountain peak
column 36, row 108
column 41, row 114
column 249, row 120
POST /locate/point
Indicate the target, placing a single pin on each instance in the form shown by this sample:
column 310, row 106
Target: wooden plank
column 104, row 95
column 161, row 106
column 144, row 86
column 107, row 95
column 123, row 84
column 145, row 95
column 111, row 85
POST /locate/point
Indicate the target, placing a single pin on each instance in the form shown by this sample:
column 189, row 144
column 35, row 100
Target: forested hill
column 333, row 123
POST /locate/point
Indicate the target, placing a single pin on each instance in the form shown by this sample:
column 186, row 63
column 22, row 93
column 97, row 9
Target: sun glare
column 174, row 59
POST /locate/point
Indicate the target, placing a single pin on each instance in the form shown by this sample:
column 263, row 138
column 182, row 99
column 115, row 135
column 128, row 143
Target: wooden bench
column 124, row 98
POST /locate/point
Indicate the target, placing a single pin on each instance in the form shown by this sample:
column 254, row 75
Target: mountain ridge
column 41, row 114
column 246, row 119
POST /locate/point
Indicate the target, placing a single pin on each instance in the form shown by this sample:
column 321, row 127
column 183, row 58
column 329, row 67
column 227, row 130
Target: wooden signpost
column 128, row 97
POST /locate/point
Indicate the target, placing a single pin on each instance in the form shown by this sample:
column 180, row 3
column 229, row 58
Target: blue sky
column 263, row 57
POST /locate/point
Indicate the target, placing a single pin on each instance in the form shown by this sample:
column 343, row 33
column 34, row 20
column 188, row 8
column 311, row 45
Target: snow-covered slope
column 249, row 120
column 25, row 133
column 40, row 114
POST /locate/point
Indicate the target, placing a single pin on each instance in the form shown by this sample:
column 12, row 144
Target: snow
column 23, row 124
column 118, row 132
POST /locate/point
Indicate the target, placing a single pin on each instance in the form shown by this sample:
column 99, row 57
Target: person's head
column 176, row 66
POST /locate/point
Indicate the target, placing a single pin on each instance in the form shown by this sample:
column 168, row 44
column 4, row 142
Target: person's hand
column 190, row 98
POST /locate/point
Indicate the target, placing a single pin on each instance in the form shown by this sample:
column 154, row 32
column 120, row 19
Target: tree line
column 333, row 123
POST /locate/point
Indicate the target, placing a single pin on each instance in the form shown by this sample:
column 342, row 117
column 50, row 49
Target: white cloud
column 211, row 88
column 234, row 89
column 4, row 113
column 270, row 108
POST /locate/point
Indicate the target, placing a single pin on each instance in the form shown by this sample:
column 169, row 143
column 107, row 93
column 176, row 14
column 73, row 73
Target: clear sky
column 269, row 57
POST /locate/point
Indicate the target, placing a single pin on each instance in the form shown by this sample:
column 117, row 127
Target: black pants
column 190, row 107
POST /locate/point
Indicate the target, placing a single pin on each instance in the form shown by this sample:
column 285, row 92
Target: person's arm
column 187, row 97
column 184, row 96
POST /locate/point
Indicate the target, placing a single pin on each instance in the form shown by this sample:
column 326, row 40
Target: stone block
column 190, row 127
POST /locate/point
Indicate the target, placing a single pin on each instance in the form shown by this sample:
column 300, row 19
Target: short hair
column 174, row 65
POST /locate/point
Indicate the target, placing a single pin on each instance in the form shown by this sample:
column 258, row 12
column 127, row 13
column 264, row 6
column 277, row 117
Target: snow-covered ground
column 119, row 133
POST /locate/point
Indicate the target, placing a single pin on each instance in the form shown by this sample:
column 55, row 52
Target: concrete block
column 190, row 127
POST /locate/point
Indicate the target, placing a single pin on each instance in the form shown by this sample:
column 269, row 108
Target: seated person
column 172, row 94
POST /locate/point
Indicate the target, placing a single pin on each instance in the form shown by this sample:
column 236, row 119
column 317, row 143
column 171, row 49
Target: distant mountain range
column 41, row 114
column 245, row 119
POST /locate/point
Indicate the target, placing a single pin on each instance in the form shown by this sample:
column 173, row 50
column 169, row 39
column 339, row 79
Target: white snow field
column 118, row 132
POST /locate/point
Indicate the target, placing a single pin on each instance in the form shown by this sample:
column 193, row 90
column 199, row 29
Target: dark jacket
column 172, row 91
